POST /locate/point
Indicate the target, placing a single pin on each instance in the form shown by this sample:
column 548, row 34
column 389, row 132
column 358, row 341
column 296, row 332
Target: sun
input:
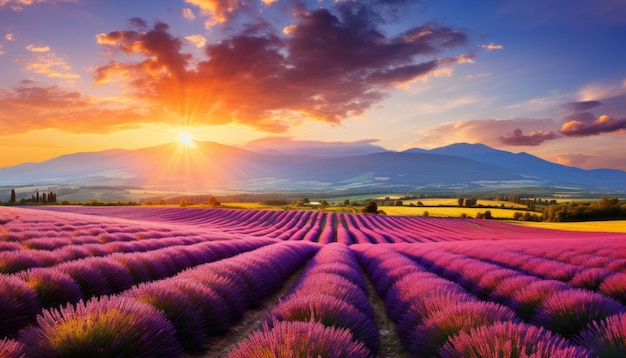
column 186, row 139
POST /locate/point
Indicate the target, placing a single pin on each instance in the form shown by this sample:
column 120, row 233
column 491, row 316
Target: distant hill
column 308, row 167
column 533, row 167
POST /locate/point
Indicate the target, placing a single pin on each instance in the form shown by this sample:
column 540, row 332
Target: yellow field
column 444, row 211
column 600, row 226
column 455, row 202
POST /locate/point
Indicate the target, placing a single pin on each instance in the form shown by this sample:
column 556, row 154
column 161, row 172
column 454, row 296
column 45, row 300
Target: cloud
column 33, row 48
column 51, row 66
column 584, row 126
column 9, row 37
column 198, row 40
column 312, row 148
column 188, row 14
column 18, row 5
column 485, row 131
column 219, row 11
column 29, row 107
column 492, row 46
column 575, row 160
column 1, row 52
column 581, row 106
column 532, row 139
column 331, row 66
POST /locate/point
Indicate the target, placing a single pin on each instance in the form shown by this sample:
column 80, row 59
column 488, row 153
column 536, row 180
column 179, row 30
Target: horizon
column 545, row 79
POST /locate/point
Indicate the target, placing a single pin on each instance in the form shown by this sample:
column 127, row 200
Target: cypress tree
column 12, row 199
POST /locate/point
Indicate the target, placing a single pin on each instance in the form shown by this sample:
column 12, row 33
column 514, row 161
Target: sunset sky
column 547, row 77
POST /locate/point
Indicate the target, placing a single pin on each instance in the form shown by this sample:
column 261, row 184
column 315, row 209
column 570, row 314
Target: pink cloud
column 485, row 131
column 575, row 160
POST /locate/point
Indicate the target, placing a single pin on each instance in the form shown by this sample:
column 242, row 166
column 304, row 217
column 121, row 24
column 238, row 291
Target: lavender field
column 167, row 282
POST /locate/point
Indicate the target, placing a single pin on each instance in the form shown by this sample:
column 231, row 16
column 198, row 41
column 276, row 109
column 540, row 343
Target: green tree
column 213, row 202
column 371, row 208
column 12, row 199
column 461, row 202
column 346, row 202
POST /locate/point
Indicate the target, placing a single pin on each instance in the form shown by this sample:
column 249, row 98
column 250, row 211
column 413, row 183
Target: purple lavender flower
column 18, row 305
column 567, row 312
column 53, row 286
column 10, row 348
column 300, row 339
column 607, row 338
column 509, row 340
column 104, row 327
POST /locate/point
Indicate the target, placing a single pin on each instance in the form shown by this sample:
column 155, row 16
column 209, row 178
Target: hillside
column 216, row 167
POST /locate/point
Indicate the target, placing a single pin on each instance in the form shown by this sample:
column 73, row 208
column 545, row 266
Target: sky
column 546, row 77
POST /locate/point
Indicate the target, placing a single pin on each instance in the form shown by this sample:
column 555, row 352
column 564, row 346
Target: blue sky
column 544, row 77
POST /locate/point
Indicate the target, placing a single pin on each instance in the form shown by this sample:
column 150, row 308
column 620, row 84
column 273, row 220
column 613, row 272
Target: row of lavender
column 26, row 292
column 531, row 290
column 162, row 318
column 443, row 304
column 329, row 227
column 539, row 288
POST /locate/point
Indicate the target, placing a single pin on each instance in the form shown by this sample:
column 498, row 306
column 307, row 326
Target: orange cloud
column 583, row 126
column 188, row 14
column 328, row 69
column 198, row 40
column 576, row 160
column 51, row 66
column 28, row 108
column 33, row 48
column 218, row 10
column 9, row 37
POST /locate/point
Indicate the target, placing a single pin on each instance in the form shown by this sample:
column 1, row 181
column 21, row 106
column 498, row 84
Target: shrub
column 425, row 339
column 53, row 286
column 105, row 327
column 526, row 300
column 570, row 311
column 300, row 340
column 607, row 338
column 509, row 340
column 329, row 311
column 188, row 319
column 11, row 348
column 18, row 305
column 615, row 286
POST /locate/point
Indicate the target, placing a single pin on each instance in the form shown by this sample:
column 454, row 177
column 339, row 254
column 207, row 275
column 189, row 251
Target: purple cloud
column 531, row 139
column 583, row 126
column 581, row 106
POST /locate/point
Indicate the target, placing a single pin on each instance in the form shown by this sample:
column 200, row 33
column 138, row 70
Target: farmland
column 166, row 282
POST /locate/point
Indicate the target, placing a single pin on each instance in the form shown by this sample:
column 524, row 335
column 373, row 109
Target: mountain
column 307, row 167
column 533, row 167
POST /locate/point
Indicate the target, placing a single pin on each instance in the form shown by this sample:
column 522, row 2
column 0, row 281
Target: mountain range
column 309, row 167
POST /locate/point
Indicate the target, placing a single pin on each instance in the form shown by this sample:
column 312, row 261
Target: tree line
column 37, row 198
column 603, row 209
